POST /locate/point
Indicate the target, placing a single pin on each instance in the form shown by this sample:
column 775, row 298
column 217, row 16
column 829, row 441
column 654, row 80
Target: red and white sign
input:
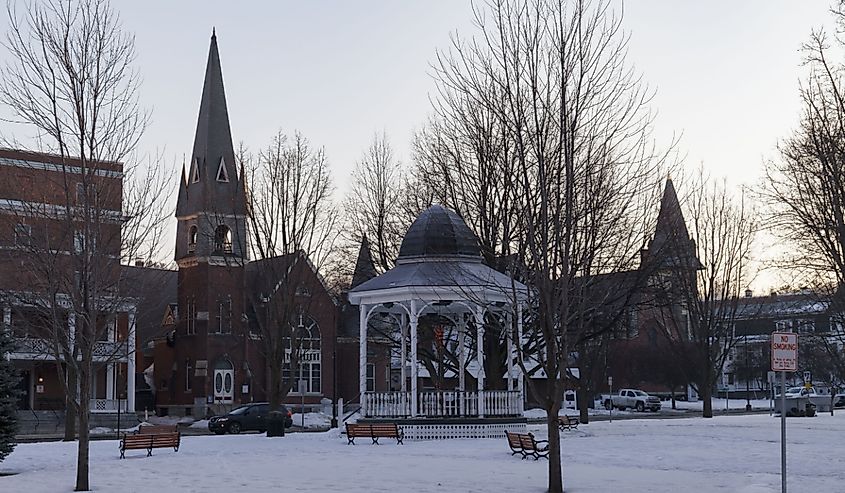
column 784, row 351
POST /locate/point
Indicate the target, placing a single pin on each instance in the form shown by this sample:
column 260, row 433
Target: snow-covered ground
column 731, row 453
column 313, row 421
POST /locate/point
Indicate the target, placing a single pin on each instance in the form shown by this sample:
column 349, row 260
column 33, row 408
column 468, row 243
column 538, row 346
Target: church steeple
column 671, row 246
column 211, row 193
column 365, row 269
column 670, row 219
column 213, row 150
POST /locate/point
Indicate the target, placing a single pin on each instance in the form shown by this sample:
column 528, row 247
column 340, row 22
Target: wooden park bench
column 373, row 431
column 527, row 445
column 514, row 443
column 149, row 441
column 156, row 429
column 567, row 422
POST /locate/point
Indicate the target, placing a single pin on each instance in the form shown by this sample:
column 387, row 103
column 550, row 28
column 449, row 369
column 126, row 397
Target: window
column 633, row 324
column 80, row 194
column 192, row 239
column 730, row 378
column 223, row 239
column 222, row 174
column 371, row 377
column 195, row 170
column 308, row 373
column 189, row 377
column 191, row 316
column 224, row 316
column 805, row 326
column 78, row 241
column 23, row 235
column 307, row 345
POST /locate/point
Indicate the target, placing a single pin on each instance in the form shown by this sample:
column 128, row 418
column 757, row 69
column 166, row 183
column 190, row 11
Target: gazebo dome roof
column 439, row 232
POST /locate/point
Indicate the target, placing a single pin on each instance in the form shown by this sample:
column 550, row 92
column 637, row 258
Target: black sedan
column 245, row 418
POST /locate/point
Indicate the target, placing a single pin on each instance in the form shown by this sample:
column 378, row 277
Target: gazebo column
column 414, row 366
column 462, row 382
column 362, row 357
column 520, row 383
column 479, row 324
column 130, row 362
column 462, row 361
column 508, row 324
column 403, row 337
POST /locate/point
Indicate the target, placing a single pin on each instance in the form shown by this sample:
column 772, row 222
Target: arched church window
column 223, row 239
column 192, row 239
column 303, row 345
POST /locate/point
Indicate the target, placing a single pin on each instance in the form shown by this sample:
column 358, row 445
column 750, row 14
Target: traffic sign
column 784, row 351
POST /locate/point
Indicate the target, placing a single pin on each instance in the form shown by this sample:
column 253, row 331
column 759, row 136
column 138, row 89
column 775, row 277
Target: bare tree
column 805, row 185
column 373, row 206
column 466, row 161
column 69, row 76
column 575, row 117
column 292, row 226
column 698, row 289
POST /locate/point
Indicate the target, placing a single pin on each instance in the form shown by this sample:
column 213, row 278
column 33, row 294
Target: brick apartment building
column 44, row 234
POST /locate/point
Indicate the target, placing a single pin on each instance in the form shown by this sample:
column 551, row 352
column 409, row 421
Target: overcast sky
column 726, row 72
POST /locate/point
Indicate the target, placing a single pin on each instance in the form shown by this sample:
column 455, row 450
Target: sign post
column 771, row 379
column 610, row 397
column 302, row 387
column 784, row 359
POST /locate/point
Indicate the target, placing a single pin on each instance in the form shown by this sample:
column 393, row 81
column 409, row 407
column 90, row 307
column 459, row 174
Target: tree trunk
column 583, row 404
column 84, row 400
column 707, row 397
column 672, row 389
column 70, row 405
column 555, row 470
column 273, row 389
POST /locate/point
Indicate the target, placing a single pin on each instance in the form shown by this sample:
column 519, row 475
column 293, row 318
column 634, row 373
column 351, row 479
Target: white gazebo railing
column 444, row 404
column 387, row 404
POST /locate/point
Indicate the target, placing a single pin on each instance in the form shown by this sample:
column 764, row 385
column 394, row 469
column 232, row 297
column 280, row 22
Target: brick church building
column 211, row 354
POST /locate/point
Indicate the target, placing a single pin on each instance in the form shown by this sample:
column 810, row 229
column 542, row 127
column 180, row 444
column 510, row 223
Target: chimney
column 748, row 293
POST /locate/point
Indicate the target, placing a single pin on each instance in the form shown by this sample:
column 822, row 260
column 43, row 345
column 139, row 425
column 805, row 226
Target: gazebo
column 439, row 272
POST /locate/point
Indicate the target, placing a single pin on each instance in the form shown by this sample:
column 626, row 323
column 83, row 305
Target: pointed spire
column 241, row 197
column 182, row 200
column 670, row 220
column 213, row 147
column 213, row 139
column 671, row 245
column 211, row 187
column 365, row 269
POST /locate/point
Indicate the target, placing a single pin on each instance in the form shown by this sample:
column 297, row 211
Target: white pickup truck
column 632, row 398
